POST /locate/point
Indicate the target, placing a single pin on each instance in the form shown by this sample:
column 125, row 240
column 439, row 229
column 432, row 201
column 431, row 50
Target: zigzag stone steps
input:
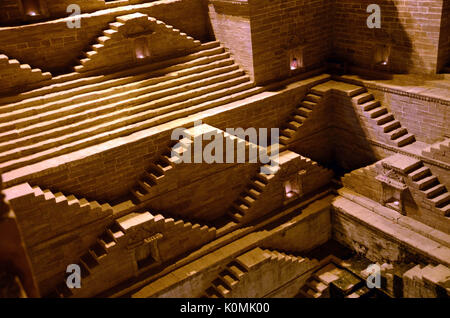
column 78, row 112
column 383, row 118
column 116, row 233
column 236, row 271
column 137, row 113
column 18, row 110
column 70, row 201
column 422, row 178
column 299, row 117
column 163, row 115
column 109, row 35
column 69, row 83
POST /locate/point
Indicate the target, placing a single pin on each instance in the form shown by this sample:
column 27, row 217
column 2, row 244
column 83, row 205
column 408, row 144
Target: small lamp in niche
column 294, row 64
column 291, row 189
column 31, row 7
column 296, row 58
column 382, row 54
column 141, row 48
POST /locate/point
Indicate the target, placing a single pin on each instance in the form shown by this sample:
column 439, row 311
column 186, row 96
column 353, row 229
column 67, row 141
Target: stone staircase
column 12, row 71
column 438, row 151
column 153, row 176
column 392, row 129
column 114, row 240
column 242, row 209
column 235, row 273
column 345, row 284
column 78, row 113
column 105, row 42
column 71, row 202
column 300, row 116
column 243, row 205
column 430, row 281
column 435, row 193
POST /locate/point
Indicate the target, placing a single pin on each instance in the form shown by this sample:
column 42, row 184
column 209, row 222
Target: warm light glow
column 31, row 7
column 141, row 48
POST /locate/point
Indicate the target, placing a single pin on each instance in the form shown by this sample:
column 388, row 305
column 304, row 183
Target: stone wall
column 13, row 12
column 411, row 28
column 230, row 24
column 15, row 75
column 381, row 239
column 279, row 26
column 107, row 171
column 415, row 203
column 54, row 47
column 426, row 118
column 444, row 40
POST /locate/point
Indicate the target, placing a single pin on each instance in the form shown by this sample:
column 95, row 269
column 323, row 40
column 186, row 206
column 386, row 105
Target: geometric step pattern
column 438, row 151
column 302, row 113
column 96, row 109
column 428, row 281
column 81, row 205
column 154, row 175
column 394, row 132
column 248, row 204
column 243, row 205
column 114, row 239
column 345, row 284
column 13, row 74
column 116, row 45
column 237, row 271
column 429, row 186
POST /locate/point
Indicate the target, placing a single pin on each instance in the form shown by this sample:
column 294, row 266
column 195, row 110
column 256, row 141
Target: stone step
column 163, row 115
column 93, row 91
column 384, row 119
column 313, row 98
column 370, row 105
column 220, row 287
column 316, row 285
column 241, row 207
column 236, row 215
column 445, row 210
column 294, row 125
column 18, row 119
column 228, row 278
column 420, row 173
column 308, row 104
column 364, row 98
column 441, row 200
column 62, row 86
column 435, row 191
column 236, row 269
column 216, row 83
column 405, row 140
column 258, row 184
column 305, row 112
column 396, row 133
column 377, row 112
column 392, row 125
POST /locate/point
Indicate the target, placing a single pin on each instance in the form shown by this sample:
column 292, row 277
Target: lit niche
column 31, row 8
column 293, row 187
column 141, row 48
column 393, row 190
column 382, row 54
column 296, row 60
